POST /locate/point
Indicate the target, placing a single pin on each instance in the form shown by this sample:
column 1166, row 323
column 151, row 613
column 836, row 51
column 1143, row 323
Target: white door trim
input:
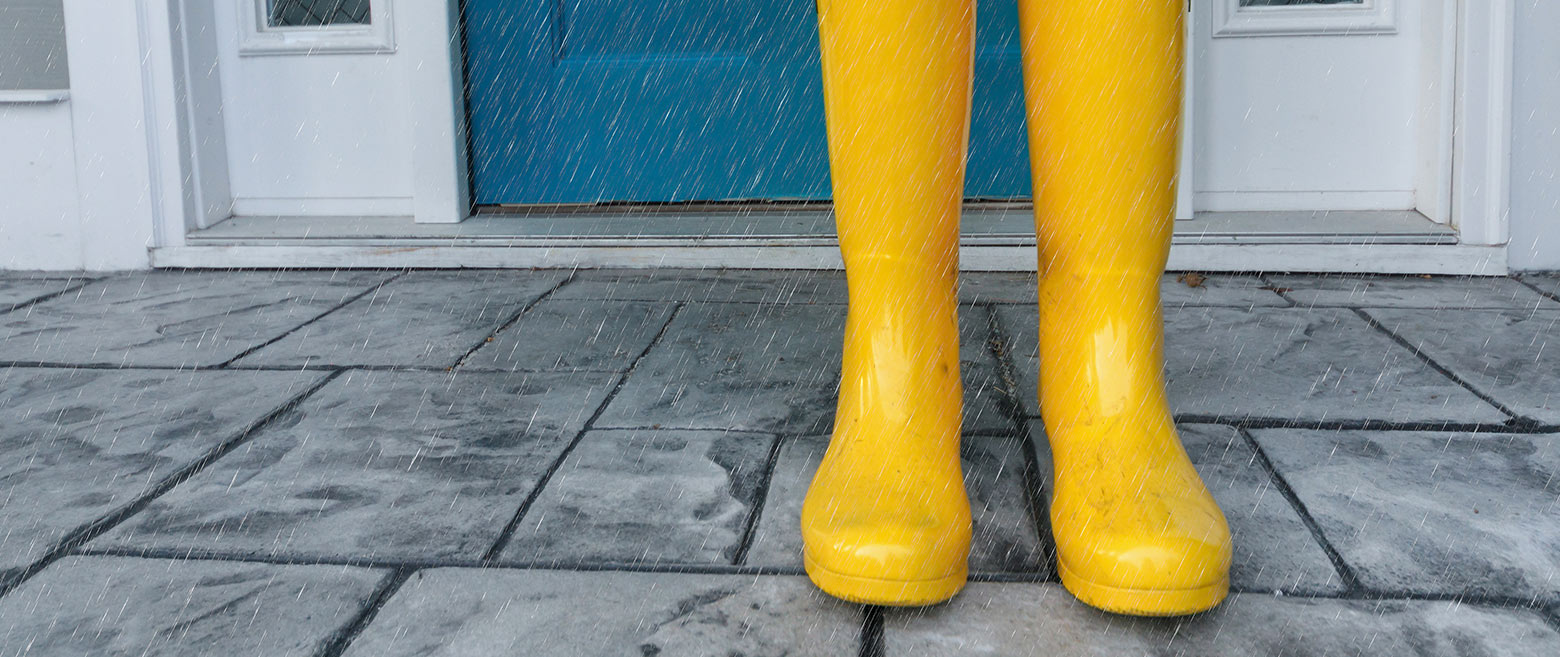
column 1368, row 17
column 1481, row 159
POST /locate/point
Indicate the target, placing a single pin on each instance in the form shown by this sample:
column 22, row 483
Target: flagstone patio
column 612, row 462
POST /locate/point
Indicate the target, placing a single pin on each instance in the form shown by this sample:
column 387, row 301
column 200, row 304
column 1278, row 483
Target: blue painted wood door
column 584, row 101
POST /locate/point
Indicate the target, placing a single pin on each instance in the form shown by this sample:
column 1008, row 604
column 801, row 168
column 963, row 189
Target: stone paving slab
column 378, row 465
column 1043, row 619
column 175, row 319
column 1005, row 536
column 1549, row 283
column 425, row 318
column 1175, row 291
column 559, row 614
column 1410, row 292
column 1286, row 363
column 737, row 366
column 574, row 335
column 1433, row 513
column 645, row 496
column 122, row 606
column 17, row 289
column 1511, row 355
column 1274, row 550
column 771, row 287
column 79, row 445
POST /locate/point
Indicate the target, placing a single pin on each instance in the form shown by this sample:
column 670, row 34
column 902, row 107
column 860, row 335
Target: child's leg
column 1136, row 529
column 886, row 520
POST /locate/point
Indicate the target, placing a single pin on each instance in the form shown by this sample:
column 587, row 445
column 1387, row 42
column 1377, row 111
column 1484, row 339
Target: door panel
column 582, row 101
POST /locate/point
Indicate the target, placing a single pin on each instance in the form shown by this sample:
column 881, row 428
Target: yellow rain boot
column 1136, row 530
column 886, row 520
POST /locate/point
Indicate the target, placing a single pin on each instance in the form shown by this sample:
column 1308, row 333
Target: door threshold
column 994, row 239
column 783, row 225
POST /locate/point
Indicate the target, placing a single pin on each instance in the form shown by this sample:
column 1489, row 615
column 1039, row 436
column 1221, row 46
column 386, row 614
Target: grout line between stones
column 461, row 362
column 1351, row 581
column 338, row 644
column 1000, row 348
column 721, row 569
column 1541, row 292
column 1270, row 286
column 96, row 528
column 760, row 497
column 536, row 491
column 1517, row 419
column 85, row 281
column 372, row 289
column 872, row 641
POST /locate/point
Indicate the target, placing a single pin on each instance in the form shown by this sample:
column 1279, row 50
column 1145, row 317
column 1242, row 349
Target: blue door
column 584, row 101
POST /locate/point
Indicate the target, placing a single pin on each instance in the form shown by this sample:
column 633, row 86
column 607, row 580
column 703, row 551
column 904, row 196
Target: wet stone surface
column 574, row 335
column 1410, row 292
column 784, row 288
column 1511, row 355
column 1284, row 363
column 648, row 497
column 17, row 289
column 175, row 319
column 424, row 318
column 1433, row 513
column 79, row 445
column 125, row 606
column 475, row 612
column 737, row 366
column 1005, row 537
column 378, row 465
column 1042, row 619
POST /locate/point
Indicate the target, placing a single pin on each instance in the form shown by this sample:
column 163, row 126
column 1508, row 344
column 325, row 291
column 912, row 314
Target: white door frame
column 178, row 129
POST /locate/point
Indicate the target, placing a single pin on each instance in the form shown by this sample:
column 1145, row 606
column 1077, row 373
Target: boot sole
column 1144, row 602
column 885, row 592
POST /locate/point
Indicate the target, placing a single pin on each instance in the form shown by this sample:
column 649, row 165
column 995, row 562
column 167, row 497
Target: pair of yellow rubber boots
column 886, row 520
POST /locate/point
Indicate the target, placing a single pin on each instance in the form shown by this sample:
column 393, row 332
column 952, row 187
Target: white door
column 1306, row 105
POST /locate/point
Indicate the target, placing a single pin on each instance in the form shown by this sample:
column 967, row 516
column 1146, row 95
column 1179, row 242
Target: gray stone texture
column 427, row 318
column 1432, row 513
column 1410, row 292
column 378, row 465
column 1505, row 354
column 560, row 614
column 79, row 445
column 1274, row 550
column 574, row 335
column 1176, row 290
column 17, row 289
column 1286, row 363
column 646, row 496
column 177, row 319
column 1549, row 283
column 737, row 366
column 1005, row 536
column 1033, row 619
column 133, row 607
column 784, row 288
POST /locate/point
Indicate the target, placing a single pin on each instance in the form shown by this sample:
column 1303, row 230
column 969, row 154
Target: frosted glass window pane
column 314, row 13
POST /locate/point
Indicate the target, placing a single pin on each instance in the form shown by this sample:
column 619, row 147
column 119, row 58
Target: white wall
column 1535, row 157
column 40, row 224
column 78, row 190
